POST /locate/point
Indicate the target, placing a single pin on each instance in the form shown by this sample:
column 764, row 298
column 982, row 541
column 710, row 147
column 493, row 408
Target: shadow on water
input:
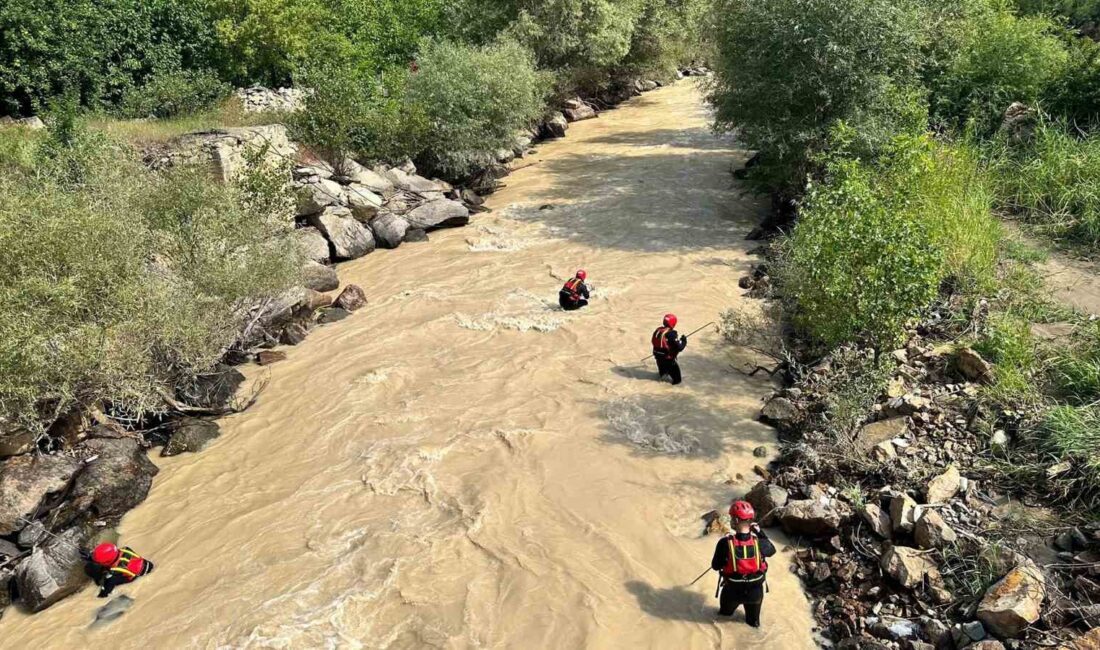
column 673, row 603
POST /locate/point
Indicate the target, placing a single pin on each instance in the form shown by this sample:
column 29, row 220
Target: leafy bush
column 1077, row 12
column 875, row 241
column 1008, row 343
column 788, row 70
column 1076, row 369
column 1003, row 59
column 1073, row 433
column 1075, row 94
column 124, row 282
column 475, row 99
column 1054, row 182
column 98, row 48
column 175, row 93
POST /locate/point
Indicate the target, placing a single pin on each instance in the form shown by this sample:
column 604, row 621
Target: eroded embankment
column 461, row 464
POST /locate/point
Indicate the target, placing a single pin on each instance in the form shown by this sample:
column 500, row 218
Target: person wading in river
column 574, row 294
column 740, row 560
column 117, row 566
column 667, row 345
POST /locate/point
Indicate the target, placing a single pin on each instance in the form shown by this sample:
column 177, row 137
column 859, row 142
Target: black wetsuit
column 573, row 300
column 109, row 579
column 666, row 360
column 742, row 590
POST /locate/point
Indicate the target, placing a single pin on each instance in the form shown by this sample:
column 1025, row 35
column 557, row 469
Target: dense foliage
column 120, row 281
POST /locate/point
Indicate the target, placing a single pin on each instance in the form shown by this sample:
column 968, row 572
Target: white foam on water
column 376, row 376
column 636, row 425
column 520, row 310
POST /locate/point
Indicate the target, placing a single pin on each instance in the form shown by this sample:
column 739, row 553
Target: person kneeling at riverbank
column 116, row 566
column 574, row 294
column 667, row 345
column 740, row 559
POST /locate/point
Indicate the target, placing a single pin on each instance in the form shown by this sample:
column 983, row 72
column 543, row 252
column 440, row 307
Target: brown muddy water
column 461, row 464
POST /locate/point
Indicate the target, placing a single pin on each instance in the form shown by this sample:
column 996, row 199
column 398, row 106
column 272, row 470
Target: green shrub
column 1076, row 369
column 1002, row 59
column 474, row 99
column 1053, row 182
column 173, row 94
column 875, row 241
column 1075, row 94
column 126, row 282
column 788, row 70
column 1073, row 433
column 856, row 266
column 98, row 48
column 1008, row 343
column 1077, row 12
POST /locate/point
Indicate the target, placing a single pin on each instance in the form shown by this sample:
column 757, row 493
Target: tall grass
column 1053, row 182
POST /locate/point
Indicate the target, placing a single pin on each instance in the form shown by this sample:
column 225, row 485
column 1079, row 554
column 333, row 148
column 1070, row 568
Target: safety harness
column 744, row 564
column 129, row 565
column 571, row 289
column 660, row 343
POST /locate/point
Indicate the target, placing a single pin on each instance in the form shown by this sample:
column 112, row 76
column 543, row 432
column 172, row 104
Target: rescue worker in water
column 740, row 559
column 574, row 294
column 117, row 566
column 667, row 345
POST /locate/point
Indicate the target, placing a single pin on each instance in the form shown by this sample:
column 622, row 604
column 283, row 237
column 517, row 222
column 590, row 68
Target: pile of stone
column 258, row 99
column 33, row 123
column 694, row 71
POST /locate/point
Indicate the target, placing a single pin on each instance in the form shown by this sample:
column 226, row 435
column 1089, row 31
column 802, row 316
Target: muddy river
column 463, row 465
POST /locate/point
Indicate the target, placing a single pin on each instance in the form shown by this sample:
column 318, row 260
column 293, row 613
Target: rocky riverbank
column 63, row 490
column 913, row 536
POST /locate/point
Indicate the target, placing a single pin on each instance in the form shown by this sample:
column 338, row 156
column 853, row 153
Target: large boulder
column 190, row 435
column 364, row 203
column 374, row 182
column 941, row 488
column 318, row 194
column 810, row 517
column 1014, row 602
column 14, row 439
column 26, row 482
column 53, row 571
column 766, row 500
column 6, row 576
column 909, row 567
column 443, row 213
column 313, row 244
column 115, row 482
column 229, row 151
column 410, row 182
column 582, row 112
column 318, row 277
column 349, row 238
column 554, row 126
column 389, row 229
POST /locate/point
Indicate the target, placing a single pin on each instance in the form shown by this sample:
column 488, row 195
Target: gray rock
column 116, row 481
column 315, row 196
column 582, row 112
column 349, row 238
column 6, row 576
column 555, row 126
column 374, row 182
column 364, row 203
column 318, row 277
column 53, row 571
column 810, row 517
column 766, row 500
column 415, row 235
column 875, row 433
column 781, row 412
column 333, row 315
column 190, row 435
column 389, row 229
column 227, row 151
column 313, row 244
column 410, row 182
column 26, row 482
column 14, row 439
column 439, row 214
column 895, row 628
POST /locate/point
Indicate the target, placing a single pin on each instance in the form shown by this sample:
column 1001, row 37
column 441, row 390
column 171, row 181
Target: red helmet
column 670, row 320
column 742, row 511
column 582, row 275
column 105, row 554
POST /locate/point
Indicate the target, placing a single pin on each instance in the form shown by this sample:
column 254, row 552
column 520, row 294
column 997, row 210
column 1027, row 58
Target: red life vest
column 660, row 343
column 744, row 564
column 571, row 288
column 129, row 565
